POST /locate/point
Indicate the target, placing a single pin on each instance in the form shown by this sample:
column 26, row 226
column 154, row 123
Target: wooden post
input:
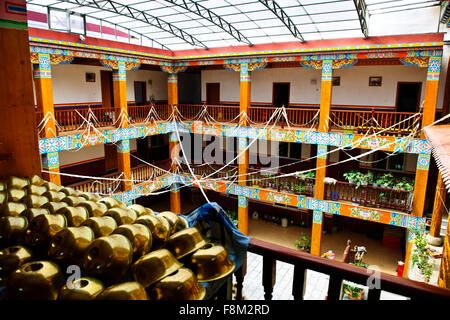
column 44, row 97
column 172, row 87
column 438, row 208
column 431, row 92
column 444, row 273
column 121, row 106
column 321, row 162
column 245, row 93
column 175, row 199
column 420, row 187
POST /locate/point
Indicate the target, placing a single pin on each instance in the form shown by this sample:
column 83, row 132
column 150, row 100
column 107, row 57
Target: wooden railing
column 398, row 123
column 337, row 271
column 370, row 196
column 140, row 174
column 363, row 121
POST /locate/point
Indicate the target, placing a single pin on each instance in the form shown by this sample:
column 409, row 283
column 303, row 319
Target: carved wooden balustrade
column 337, row 271
column 396, row 123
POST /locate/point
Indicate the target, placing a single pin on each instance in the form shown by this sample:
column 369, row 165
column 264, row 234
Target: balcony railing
column 140, row 174
column 396, row 123
column 403, row 123
column 337, row 271
column 370, row 196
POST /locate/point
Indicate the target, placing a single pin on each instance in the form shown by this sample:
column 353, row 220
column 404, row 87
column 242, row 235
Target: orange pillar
column 244, row 104
column 121, row 106
column 19, row 151
column 438, row 208
column 174, row 152
column 423, row 161
column 174, row 144
column 444, row 272
column 44, row 97
column 321, row 162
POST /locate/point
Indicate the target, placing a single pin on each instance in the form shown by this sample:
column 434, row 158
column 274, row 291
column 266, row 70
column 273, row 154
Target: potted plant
column 351, row 176
column 420, row 256
column 386, row 180
column 304, row 243
column 353, row 293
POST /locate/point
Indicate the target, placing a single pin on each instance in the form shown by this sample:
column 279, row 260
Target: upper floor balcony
column 70, row 121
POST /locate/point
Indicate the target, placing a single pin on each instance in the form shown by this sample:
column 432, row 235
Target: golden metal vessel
column 73, row 201
column 108, row 258
column 124, row 291
column 70, row 192
column 15, row 195
column 12, row 229
column 35, row 280
column 185, row 242
column 154, row 266
column 13, row 209
column 43, row 227
column 54, row 196
column 17, row 183
column 36, row 180
column 90, row 196
column 139, row 236
column 85, row 288
column 182, row 224
column 36, row 190
column 11, row 259
column 172, row 218
column 211, row 262
column 110, row 202
column 95, row 209
column 140, row 210
column 75, row 215
column 122, row 215
column 158, row 227
column 32, row 213
column 102, row 226
column 70, row 243
column 35, row 201
column 54, row 206
column 3, row 197
column 52, row 186
column 182, row 285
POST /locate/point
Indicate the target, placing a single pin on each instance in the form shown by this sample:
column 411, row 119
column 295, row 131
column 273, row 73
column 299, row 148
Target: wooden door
column 213, row 93
column 107, row 89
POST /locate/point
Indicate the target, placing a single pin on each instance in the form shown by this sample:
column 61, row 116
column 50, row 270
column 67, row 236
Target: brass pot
column 75, row 215
column 172, row 218
column 36, row 190
column 52, row 186
column 110, row 202
column 108, row 258
column 185, row 242
column 12, row 229
column 44, row 227
column 52, row 207
column 158, row 227
column 95, row 209
column 140, row 210
column 73, row 201
column 32, row 213
column 13, row 209
column 70, row 243
column 90, row 196
column 3, row 185
column 3, row 197
column 149, row 212
column 211, row 262
column 36, row 180
column 70, row 192
column 16, row 195
column 35, row 280
column 17, row 183
column 35, row 201
column 54, row 196
column 182, row 224
column 85, row 288
column 124, row 291
column 154, row 266
column 139, row 236
column 102, row 226
column 12, row 258
column 182, row 285
column 122, row 216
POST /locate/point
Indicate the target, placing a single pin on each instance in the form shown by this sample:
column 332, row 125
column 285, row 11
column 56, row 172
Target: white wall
column 354, row 88
column 84, row 154
column 70, row 86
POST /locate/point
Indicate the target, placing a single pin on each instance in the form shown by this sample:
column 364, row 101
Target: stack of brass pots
column 44, row 228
